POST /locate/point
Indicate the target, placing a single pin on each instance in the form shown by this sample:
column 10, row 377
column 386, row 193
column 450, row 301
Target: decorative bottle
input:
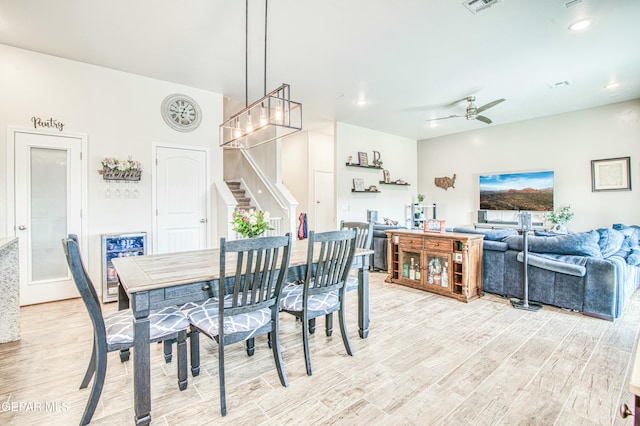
column 417, row 271
column 445, row 275
column 412, row 270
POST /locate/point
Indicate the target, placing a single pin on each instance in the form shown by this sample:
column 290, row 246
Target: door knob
column 22, row 227
column 203, row 220
column 625, row 411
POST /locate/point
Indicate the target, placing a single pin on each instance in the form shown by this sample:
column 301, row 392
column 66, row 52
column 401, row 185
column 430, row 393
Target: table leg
column 141, row 359
column 123, row 303
column 363, row 298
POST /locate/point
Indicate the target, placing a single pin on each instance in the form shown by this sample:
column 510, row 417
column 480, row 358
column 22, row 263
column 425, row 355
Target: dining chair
column 363, row 241
column 114, row 332
column 252, row 273
column 323, row 289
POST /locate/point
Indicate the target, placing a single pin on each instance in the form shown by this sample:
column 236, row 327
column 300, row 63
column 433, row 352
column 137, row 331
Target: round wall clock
column 181, row 112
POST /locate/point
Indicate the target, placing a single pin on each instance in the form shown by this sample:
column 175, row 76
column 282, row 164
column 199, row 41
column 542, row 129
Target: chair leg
column 305, row 343
column 343, row 330
column 277, row 354
column 223, row 398
column 91, row 368
column 194, row 346
column 269, row 340
column 251, row 346
column 182, row 359
column 312, row 325
column 167, row 350
column 328, row 319
column 96, row 389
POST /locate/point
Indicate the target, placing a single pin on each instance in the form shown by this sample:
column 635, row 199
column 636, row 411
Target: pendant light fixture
column 273, row 116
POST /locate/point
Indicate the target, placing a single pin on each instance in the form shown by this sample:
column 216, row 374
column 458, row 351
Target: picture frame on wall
column 611, row 174
column 358, row 184
column 363, row 159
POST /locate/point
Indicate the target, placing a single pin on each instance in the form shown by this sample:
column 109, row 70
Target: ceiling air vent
column 476, row 6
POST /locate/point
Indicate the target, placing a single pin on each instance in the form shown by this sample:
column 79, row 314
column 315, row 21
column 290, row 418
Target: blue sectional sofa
column 593, row 272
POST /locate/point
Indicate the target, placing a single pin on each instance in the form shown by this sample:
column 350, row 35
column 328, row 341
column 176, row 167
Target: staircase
column 239, row 194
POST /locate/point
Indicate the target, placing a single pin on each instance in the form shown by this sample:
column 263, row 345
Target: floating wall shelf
column 363, row 167
column 393, row 183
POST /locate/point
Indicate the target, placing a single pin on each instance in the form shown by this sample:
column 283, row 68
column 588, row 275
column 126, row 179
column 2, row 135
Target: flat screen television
column 531, row 191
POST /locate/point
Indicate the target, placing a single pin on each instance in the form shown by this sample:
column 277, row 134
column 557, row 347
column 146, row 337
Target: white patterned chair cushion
column 292, row 295
column 187, row 307
column 352, row 283
column 205, row 318
column 163, row 322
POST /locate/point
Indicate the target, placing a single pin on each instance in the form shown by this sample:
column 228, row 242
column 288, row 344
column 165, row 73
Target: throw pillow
column 628, row 244
column 634, row 257
column 390, row 222
column 610, row 241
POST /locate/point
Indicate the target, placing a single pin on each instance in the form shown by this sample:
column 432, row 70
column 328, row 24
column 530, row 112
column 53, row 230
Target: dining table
column 155, row 281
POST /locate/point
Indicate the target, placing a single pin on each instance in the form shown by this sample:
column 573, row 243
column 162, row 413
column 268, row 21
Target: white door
column 181, row 188
column 48, row 195
column 324, row 217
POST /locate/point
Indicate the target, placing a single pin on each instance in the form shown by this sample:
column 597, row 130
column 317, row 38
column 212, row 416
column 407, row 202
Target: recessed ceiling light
column 581, row 24
column 612, row 85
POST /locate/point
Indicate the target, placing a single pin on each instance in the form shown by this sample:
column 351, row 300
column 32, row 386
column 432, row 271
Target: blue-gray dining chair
column 250, row 296
column 114, row 332
column 324, row 286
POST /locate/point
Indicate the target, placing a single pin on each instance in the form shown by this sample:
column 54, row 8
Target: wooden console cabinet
column 449, row 264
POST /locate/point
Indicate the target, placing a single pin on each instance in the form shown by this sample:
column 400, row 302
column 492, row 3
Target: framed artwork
column 434, row 225
column 358, row 184
column 363, row 159
column 611, row 174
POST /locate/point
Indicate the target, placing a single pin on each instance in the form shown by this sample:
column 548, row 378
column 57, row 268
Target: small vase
column 559, row 229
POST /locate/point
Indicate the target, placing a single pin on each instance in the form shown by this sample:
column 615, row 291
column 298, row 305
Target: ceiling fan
column 472, row 111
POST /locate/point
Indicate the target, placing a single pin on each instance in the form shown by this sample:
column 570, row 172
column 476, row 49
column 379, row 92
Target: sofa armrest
column 567, row 266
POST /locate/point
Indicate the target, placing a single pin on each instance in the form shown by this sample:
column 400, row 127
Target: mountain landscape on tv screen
column 517, row 191
column 529, row 199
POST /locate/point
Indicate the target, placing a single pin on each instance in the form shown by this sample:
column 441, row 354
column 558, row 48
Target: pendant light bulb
column 278, row 112
column 249, row 123
column 237, row 132
column 263, row 115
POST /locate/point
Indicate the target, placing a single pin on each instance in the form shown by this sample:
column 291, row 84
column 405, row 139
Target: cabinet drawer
column 415, row 242
column 439, row 245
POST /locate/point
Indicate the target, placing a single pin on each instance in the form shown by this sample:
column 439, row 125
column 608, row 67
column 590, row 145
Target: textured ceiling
column 409, row 58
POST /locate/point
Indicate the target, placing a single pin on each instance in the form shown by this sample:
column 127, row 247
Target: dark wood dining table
column 155, row 281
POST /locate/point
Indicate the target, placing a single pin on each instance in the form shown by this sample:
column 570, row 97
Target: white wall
column 564, row 143
column 398, row 155
column 119, row 112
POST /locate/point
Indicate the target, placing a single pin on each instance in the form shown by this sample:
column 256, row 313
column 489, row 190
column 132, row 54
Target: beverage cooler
column 118, row 245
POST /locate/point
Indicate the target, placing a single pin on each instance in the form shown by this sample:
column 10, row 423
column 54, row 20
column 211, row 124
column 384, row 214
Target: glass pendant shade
column 271, row 117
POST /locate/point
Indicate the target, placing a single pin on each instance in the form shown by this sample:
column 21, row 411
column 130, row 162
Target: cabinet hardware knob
column 206, row 287
column 22, row 227
column 625, row 411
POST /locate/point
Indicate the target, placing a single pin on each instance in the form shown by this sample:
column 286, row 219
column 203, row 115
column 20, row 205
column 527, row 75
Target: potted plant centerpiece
column 251, row 223
column 559, row 218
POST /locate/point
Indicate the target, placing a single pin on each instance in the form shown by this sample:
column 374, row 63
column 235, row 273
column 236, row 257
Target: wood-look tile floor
column 428, row 360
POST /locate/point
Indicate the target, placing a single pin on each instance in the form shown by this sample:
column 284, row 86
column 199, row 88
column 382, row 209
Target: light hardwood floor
column 428, row 360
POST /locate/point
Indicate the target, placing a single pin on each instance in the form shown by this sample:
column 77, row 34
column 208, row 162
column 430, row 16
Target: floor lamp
column 524, row 222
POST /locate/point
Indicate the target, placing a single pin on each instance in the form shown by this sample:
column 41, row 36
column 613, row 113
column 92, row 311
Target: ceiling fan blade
column 483, row 119
column 443, row 118
column 490, row 105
